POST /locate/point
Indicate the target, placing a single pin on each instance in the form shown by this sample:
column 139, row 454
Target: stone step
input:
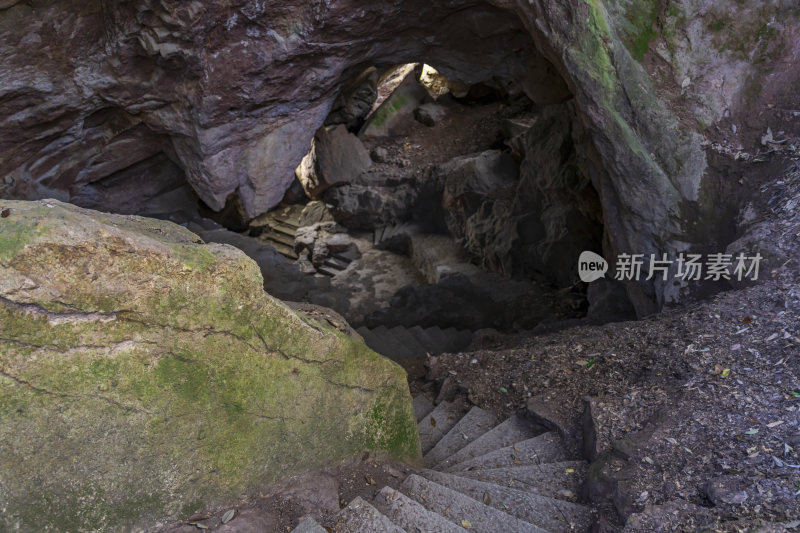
column 290, row 221
column 411, row 515
column 360, row 517
column 348, row 256
column 283, row 228
column 515, row 429
column 282, row 238
column 457, row 340
column 546, row 448
column 438, row 422
column 474, row 424
column 408, row 340
column 309, row 525
column 555, row 480
column 438, row 338
column 328, row 271
column 279, row 247
column 463, row 510
column 423, row 339
column 338, row 264
column 422, row 407
column 549, row 513
column 388, row 345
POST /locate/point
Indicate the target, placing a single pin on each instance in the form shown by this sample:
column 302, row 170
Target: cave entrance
column 429, row 213
column 436, row 213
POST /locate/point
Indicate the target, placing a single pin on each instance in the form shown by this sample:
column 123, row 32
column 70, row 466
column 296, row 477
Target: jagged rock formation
column 145, row 375
column 234, row 91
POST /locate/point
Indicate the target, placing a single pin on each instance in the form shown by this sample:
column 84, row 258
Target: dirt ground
column 690, row 416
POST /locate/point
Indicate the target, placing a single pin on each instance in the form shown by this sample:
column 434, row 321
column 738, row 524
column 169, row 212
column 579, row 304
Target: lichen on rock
column 145, row 375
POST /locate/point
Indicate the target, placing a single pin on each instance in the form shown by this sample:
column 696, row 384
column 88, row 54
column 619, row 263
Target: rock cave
column 319, row 266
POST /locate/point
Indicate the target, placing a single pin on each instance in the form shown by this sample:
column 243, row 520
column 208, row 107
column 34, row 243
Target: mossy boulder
column 145, row 375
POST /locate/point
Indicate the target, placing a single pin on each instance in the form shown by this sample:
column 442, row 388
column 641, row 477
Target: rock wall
column 145, row 375
column 233, row 92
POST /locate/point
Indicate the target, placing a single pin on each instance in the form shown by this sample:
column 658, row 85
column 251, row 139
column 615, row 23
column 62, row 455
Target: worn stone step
column 422, row 407
column 423, row 339
column 309, row 525
column 389, row 345
column 412, row 515
column 360, row 517
column 279, row 247
column 457, row 508
column 549, row 513
column 289, row 222
column 338, row 264
column 555, row 480
column 474, row 424
column 328, row 271
column 408, row 340
column 278, row 226
column 282, row 238
column 546, row 448
column 515, row 429
column 457, row 340
column 438, row 422
column 438, row 338
column 348, row 256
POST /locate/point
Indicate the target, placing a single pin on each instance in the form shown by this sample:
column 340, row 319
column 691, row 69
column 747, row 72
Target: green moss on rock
column 143, row 376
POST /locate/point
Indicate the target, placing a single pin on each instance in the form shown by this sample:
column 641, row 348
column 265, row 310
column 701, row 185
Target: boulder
column 145, row 375
column 367, row 205
column 379, row 154
column 336, row 156
column 429, row 114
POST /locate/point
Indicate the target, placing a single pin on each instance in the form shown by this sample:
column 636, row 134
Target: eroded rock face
column 336, row 156
column 172, row 382
column 234, row 91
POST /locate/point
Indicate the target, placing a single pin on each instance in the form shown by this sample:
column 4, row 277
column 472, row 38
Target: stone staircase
column 335, row 263
column 278, row 229
column 480, row 475
column 401, row 343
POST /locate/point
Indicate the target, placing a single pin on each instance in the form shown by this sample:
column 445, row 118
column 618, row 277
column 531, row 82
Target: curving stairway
column 480, row 475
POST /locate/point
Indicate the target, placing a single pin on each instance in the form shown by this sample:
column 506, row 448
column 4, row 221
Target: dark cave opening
column 426, row 206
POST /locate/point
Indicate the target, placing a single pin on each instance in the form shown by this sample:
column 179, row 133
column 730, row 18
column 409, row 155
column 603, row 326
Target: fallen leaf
column 775, row 424
column 227, row 517
column 466, row 524
column 5, row 213
column 647, row 459
column 369, row 479
column 433, row 422
column 570, row 470
column 751, row 431
column 726, row 373
column 504, row 390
